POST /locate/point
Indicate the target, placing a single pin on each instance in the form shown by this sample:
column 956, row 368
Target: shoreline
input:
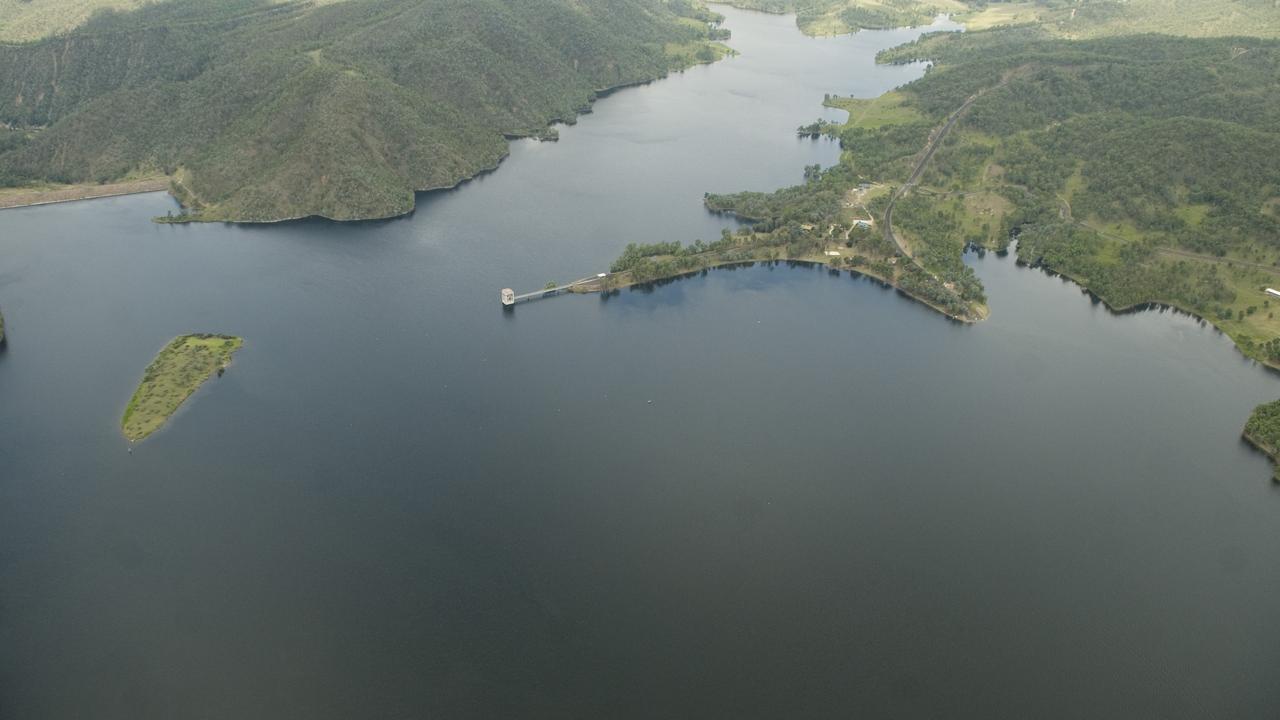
column 1260, row 446
column 1152, row 305
column 625, row 280
column 14, row 198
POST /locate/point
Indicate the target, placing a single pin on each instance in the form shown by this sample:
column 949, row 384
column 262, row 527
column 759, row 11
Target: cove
column 763, row 492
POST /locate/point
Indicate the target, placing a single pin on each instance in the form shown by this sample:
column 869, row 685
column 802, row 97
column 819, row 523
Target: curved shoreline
column 625, row 279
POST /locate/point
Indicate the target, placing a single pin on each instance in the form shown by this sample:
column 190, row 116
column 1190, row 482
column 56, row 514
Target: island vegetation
column 3, row 337
column 260, row 110
column 179, row 370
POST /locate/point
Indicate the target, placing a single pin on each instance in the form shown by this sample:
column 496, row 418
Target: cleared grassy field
column 1006, row 15
column 888, row 109
column 179, row 370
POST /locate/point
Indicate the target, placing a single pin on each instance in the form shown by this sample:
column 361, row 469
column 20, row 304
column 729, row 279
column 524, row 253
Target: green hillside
column 265, row 111
column 1145, row 167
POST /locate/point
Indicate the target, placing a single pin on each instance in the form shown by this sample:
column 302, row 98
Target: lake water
column 767, row 492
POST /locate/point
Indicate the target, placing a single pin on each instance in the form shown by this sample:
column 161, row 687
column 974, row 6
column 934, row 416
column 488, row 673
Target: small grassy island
column 2, row 336
column 1263, row 432
column 179, row 370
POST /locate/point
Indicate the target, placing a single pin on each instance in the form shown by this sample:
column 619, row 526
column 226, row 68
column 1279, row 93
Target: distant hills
column 266, row 111
column 1074, row 19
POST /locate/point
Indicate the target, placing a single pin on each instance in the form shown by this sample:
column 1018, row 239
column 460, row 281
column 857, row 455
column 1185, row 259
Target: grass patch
column 888, row 109
column 1193, row 214
column 994, row 16
column 983, row 217
column 1272, row 207
column 683, row 55
column 179, row 370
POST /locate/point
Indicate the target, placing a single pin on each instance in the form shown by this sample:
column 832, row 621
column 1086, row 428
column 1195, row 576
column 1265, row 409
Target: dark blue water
column 769, row 492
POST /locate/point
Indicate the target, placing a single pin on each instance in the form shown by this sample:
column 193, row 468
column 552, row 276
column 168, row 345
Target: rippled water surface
column 769, row 492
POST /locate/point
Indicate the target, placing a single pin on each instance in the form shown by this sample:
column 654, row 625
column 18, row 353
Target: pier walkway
column 585, row 285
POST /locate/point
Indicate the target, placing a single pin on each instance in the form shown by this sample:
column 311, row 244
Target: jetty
column 595, row 283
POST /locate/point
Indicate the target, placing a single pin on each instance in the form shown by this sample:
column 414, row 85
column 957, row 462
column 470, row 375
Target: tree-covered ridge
column 266, row 111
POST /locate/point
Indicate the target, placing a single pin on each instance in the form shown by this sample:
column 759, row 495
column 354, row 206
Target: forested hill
column 267, row 111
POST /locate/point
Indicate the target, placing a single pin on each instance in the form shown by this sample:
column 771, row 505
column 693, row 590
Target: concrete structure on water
column 585, row 285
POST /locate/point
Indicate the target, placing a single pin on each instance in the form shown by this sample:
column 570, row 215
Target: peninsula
column 179, row 370
column 262, row 110
column 1143, row 167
